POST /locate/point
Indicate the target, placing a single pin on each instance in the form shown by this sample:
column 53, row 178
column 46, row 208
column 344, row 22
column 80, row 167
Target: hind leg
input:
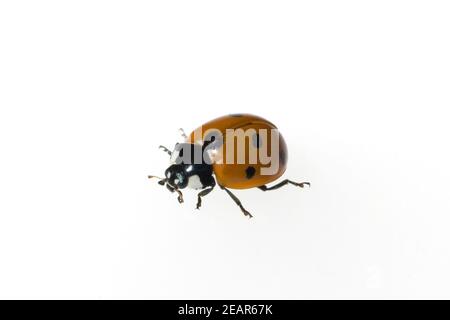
column 283, row 183
column 237, row 201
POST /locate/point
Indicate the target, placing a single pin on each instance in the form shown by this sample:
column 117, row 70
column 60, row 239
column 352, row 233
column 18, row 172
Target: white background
column 359, row 89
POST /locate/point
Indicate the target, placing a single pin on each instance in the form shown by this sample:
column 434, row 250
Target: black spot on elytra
column 250, row 172
column 213, row 137
column 236, row 115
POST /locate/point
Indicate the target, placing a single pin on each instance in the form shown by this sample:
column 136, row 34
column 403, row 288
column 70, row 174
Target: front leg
column 202, row 194
column 180, row 195
column 166, row 150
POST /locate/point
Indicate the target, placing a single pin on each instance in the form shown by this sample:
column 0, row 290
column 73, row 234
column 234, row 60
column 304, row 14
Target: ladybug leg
column 283, row 183
column 202, row 194
column 169, row 187
column 183, row 134
column 237, row 201
column 210, row 184
column 166, row 150
column 172, row 189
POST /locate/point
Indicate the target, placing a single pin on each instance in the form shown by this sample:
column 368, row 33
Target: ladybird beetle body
column 245, row 175
column 242, row 151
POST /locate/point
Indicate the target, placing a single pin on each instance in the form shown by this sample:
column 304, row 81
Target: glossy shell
column 247, row 174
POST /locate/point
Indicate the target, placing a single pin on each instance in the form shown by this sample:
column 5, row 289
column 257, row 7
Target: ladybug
column 237, row 151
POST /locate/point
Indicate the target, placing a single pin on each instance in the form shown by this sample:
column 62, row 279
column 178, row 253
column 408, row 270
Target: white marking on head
column 195, row 183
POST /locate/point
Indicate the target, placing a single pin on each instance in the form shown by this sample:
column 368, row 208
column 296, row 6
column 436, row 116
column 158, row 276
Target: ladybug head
column 176, row 176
